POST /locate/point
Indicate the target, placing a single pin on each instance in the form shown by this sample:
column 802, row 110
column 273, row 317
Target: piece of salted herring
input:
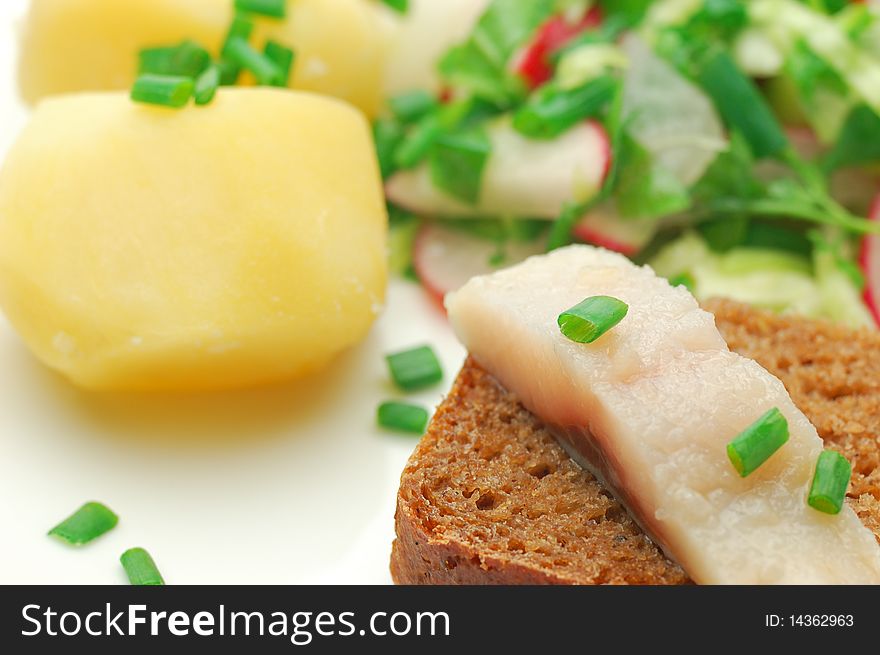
column 650, row 408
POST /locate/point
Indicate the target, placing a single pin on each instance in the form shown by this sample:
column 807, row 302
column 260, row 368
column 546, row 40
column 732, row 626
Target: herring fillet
column 650, row 408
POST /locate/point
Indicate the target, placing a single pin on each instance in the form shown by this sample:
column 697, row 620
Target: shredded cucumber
column 771, row 279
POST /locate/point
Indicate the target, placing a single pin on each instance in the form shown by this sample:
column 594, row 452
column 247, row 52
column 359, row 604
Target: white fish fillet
column 650, row 408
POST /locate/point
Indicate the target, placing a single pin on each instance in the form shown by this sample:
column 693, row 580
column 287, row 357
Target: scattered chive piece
column 206, row 85
column 229, row 71
column 418, row 143
column 415, row 369
column 241, row 27
column 283, row 58
column 140, row 568
column 412, row 106
column 164, row 90
column 188, row 59
column 828, row 490
column 88, row 522
column 265, row 71
column 401, row 6
column 589, row 320
column 758, row 442
column 403, row 417
column 272, row 8
column 683, row 280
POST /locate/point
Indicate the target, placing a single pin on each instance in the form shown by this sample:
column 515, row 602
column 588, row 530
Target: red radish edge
column 436, row 295
column 871, row 247
column 534, row 65
column 588, row 234
column 606, row 142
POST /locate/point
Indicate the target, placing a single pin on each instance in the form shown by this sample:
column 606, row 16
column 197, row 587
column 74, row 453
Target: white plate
column 286, row 485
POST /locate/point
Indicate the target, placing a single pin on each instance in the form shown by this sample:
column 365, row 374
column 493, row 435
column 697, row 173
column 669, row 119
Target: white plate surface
column 286, row 485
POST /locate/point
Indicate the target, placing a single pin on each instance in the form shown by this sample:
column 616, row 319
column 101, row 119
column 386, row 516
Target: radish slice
column 524, row 177
column 870, row 261
column 445, row 259
column 534, row 63
column 602, row 226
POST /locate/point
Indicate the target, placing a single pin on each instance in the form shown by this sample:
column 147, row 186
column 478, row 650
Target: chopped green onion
column 388, row 135
column 410, row 107
column 88, row 522
column 206, row 85
column 457, row 163
column 742, row 106
column 828, row 490
column 187, row 59
column 164, row 90
column 550, row 111
column 758, row 442
column 400, row 6
column 229, row 71
column 415, row 369
column 685, row 280
column 241, row 27
column 590, row 319
column 403, row 417
column 418, row 143
column 283, row 58
column 140, row 568
column 271, row 8
column 263, row 69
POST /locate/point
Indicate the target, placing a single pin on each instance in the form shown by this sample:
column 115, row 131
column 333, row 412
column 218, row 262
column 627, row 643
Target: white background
column 292, row 484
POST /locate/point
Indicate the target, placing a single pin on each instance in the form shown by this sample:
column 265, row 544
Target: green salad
column 734, row 146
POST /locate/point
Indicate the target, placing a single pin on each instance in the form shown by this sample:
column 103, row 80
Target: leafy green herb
column 742, row 106
column 388, row 134
column 480, row 65
column 400, row 6
column 645, row 189
column 457, row 162
column 552, row 111
column 859, row 141
column 725, row 233
column 411, row 107
column 685, row 280
column 416, row 145
column 403, row 229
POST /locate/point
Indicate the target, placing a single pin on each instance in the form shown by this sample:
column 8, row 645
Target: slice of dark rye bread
column 488, row 497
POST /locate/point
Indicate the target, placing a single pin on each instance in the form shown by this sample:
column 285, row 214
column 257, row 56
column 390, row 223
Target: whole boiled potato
column 93, row 45
column 144, row 248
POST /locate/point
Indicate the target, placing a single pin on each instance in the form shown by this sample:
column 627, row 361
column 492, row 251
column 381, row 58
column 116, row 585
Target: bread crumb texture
column 488, row 497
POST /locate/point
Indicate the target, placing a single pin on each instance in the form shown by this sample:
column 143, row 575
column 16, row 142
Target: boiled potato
column 144, row 248
column 92, row 45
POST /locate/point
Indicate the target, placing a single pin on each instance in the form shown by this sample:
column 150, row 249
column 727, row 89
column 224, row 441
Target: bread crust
column 488, row 497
